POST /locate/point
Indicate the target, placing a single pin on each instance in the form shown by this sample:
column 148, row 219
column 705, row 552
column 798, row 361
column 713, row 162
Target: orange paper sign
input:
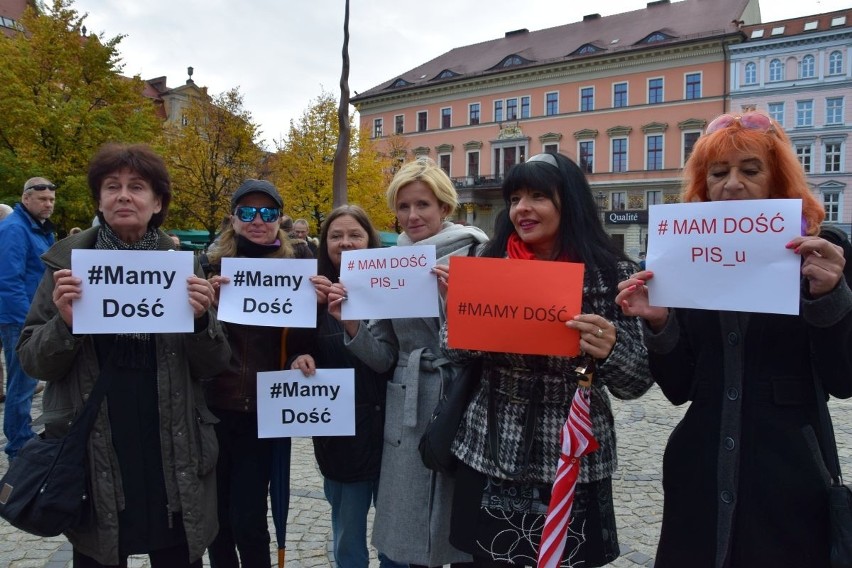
column 514, row 306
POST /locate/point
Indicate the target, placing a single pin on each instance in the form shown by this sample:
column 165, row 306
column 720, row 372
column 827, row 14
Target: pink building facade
column 625, row 96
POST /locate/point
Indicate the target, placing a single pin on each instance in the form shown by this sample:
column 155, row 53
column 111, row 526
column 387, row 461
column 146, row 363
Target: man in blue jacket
column 24, row 236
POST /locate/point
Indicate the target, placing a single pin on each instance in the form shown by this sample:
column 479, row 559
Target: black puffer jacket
column 345, row 459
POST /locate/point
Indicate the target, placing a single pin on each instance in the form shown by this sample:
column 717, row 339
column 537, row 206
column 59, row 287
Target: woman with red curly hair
column 743, row 478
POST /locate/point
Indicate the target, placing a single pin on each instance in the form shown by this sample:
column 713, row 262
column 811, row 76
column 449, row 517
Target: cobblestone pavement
column 643, row 427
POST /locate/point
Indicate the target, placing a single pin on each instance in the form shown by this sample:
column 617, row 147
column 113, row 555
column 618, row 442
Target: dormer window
column 445, row 74
column 511, row 61
column 656, row 37
column 587, row 49
column 399, row 83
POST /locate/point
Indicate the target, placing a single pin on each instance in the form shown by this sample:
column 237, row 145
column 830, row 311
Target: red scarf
column 516, row 248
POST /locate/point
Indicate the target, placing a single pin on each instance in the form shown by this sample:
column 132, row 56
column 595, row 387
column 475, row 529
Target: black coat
column 345, row 459
column 742, row 485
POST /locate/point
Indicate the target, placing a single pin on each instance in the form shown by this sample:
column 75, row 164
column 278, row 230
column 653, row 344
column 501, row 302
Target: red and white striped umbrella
column 577, row 440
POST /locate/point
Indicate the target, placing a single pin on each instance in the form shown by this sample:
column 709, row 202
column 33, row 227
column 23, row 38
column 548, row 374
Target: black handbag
column 46, row 488
column 437, row 440
column 839, row 495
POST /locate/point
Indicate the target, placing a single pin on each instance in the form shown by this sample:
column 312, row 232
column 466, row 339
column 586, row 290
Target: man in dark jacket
column 24, row 236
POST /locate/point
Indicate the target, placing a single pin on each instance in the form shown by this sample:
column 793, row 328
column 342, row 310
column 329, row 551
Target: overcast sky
column 283, row 53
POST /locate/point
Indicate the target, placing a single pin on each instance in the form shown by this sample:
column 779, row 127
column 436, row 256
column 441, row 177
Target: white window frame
column 834, row 113
column 478, row 112
column 626, row 94
column 396, row 122
column 807, row 67
column 774, row 115
column 776, row 70
column 580, row 155
column 450, row 115
column 832, row 207
column 804, row 113
column 805, row 154
column 837, row 156
column 662, row 151
column 750, row 73
column 612, row 154
column 662, row 81
column 378, row 127
column 547, row 103
column 686, row 77
column 580, row 105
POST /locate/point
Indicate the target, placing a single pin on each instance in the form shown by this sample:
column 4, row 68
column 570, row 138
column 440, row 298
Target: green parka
column 69, row 363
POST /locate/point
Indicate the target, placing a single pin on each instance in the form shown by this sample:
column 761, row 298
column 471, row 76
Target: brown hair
column 324, row 265
column 138, row 158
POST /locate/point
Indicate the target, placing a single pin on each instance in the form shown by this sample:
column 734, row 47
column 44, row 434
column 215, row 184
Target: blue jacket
column 22, row 242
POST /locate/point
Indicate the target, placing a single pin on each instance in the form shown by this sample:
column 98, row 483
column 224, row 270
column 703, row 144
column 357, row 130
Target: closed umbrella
column 279, row 492
column 577, row 440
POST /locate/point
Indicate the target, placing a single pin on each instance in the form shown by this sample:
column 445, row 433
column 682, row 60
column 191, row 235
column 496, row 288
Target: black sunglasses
column 42, row 187
column 246, row 214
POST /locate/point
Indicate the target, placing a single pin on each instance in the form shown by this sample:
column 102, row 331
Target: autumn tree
column 302, row 167
column 61, row 97
column 209, row 155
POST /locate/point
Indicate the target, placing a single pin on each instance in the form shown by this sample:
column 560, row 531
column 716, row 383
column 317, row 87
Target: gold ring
column 599, row 332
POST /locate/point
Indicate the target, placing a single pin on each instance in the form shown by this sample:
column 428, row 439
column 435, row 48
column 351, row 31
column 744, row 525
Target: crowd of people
column 177, row 466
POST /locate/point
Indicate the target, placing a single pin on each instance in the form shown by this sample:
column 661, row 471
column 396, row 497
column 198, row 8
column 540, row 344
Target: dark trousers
column 175, row 557
column 242, row 473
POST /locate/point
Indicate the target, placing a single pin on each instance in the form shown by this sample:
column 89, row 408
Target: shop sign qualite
column 626, row 217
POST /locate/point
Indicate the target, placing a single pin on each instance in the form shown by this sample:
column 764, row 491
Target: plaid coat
column 624, row 373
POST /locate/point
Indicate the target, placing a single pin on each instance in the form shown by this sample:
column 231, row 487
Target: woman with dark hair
column 499, row 508
column 349, row 464
column 152, row 450
column 743, row 480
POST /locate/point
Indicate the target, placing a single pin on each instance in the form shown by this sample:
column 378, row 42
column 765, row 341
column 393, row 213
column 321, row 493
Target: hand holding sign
column 725, row 255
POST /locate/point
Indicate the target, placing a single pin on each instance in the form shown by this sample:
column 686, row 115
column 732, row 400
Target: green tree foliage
column 302, row 168
column 208, row 158
column 61, row 97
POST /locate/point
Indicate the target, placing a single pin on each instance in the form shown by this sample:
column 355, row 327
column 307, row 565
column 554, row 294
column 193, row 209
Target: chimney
column 590, row 17
column 517, row 32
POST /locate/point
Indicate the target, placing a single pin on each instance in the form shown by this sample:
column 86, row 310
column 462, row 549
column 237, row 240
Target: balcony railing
column 477, row 181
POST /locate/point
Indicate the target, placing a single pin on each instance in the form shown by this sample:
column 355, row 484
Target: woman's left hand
column 442, row 271
column 200, row 295
column 597, row 334
column 822, row 264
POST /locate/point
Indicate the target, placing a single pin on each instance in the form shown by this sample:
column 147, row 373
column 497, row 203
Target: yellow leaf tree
column 302, row 168
column 61, row 97
column 209, row 156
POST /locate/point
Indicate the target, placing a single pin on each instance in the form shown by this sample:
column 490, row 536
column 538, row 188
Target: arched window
column 835, row 63
column 806, row 67
column 750, row 73
column 776, row 70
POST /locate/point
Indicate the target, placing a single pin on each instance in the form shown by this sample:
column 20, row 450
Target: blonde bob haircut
column 773, row 147
column 427, row 171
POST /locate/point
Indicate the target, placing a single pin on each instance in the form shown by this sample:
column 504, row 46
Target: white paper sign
column 128, row 291
column 274, row 292
column 386, row 283
column 725, row 255
column 292, row 405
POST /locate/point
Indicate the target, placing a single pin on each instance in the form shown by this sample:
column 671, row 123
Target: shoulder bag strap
column 86, row 419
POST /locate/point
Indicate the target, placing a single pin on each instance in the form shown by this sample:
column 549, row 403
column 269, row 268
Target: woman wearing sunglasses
column 244, row 459
column 741, row 473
